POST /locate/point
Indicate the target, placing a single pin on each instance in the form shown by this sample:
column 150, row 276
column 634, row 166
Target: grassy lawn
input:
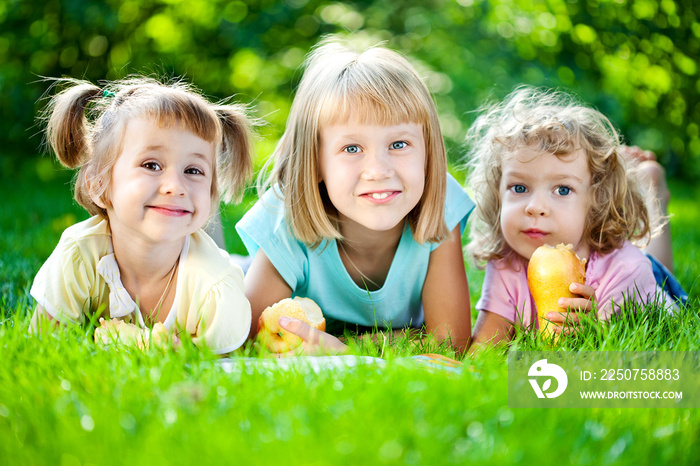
column 64, row 401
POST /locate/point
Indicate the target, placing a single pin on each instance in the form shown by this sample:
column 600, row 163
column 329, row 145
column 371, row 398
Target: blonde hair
column 554, row 122
column 339, row 84
column 86, row 125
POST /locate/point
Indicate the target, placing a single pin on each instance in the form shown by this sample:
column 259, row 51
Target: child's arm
column 264, row 286
column 445, row 296
column 490, row 329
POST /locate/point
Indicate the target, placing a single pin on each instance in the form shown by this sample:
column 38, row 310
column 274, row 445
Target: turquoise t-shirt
column 319, row 273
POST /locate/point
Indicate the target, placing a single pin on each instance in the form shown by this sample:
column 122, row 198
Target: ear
column 317, row 164
column 100, row 201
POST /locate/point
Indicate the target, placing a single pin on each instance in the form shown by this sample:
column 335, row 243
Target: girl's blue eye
column 563, row 190
column 352, row 149
column 398, row 144
column 519, row 189
column 151, row 166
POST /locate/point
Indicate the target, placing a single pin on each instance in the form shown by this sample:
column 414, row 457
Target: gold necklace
column 362, row 275
column 167, row 286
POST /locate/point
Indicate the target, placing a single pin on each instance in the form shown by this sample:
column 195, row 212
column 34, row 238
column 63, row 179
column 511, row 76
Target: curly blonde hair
column 86, row 124
column 554, row 122
column 341, row 84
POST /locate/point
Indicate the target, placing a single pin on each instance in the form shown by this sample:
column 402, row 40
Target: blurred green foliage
column 635, row 60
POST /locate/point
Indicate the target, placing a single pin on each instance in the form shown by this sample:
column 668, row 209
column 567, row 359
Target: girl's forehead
column 533, row 164
column 526, row 154
column 144, row 134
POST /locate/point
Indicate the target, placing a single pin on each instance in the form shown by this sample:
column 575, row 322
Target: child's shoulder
column 622, row 260
column 92, row 234
column 206, row 260
column 627, row 253
column 93, row 226
column 265, row 217
column 75, row 259
column 511, row 264
column 507, row 275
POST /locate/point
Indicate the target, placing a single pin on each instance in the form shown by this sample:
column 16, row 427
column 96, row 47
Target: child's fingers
column 575, row 304
column 299, row 328
column 566, row 330
column 315, row 341
column 563, row 317
column 580, row 289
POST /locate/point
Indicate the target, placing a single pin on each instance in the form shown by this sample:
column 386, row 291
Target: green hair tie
column 107, row 93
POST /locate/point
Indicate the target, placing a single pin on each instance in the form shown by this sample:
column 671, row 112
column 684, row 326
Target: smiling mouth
column 170, row 211
column 381, row 195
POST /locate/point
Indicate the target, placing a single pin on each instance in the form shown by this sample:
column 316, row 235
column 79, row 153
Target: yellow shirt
column 209, row 304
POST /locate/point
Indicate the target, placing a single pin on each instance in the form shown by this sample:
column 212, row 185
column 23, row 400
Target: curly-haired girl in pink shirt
column 545, row 169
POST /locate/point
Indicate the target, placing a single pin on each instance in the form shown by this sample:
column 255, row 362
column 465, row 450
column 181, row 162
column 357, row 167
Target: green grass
column 64, row 401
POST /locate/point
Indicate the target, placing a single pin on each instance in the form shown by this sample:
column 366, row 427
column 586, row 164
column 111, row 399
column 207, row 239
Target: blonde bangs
column 371, row 103
column 185, row 110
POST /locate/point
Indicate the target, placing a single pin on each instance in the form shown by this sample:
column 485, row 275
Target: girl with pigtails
column 153, row 162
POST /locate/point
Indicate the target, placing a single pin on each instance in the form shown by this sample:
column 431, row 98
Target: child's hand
column 567, row 320
column 315, row 342
column 118, row 332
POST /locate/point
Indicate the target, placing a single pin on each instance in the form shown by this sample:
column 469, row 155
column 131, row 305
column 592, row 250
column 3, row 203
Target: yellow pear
column 549, row 274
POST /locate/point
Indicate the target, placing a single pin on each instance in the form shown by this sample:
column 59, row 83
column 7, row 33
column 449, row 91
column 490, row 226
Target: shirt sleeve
column 504, row 292
column 222, row 321
column 264, row 227
column 458, row 205
column 63, row 284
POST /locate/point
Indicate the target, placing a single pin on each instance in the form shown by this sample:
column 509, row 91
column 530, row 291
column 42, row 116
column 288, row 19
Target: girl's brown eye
column 194, row 171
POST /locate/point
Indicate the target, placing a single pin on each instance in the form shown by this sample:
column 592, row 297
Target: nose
column 537, row 206
column 377, row 166
column 173, row 183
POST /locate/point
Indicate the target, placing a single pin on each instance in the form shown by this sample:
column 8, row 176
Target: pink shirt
column 623, row 274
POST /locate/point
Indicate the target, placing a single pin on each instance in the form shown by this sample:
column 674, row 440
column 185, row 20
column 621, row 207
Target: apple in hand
column 275, row 338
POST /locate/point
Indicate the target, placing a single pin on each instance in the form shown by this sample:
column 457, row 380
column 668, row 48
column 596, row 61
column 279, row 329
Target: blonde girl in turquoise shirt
column 359, row 178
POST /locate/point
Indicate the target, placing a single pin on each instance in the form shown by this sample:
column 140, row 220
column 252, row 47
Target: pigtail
column 235, row 158
column 68, row 128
